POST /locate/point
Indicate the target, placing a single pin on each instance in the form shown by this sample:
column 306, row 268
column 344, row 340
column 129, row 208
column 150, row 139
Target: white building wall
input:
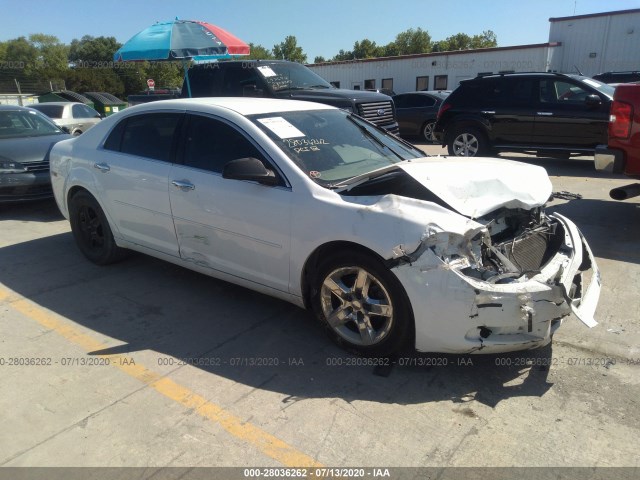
column 457, row 66
column 596, row 44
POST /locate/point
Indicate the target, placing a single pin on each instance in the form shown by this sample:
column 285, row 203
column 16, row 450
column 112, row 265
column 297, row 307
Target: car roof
column 12, row 107
column 241, row 105
column 59, row 104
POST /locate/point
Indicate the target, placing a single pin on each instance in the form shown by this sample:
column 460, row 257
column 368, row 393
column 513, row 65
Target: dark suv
column 289, row 80
column 549, row 113
column 618, row 77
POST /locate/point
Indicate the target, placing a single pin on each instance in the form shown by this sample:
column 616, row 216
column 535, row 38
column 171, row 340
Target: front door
column 565, row 119
column 241, row 228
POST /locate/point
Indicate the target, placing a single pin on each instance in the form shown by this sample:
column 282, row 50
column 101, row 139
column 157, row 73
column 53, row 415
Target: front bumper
column 455, row 313
column 19, row 187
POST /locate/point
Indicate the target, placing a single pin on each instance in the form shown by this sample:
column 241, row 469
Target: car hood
column 477, row 186
column 337, row 95
column 29, row 149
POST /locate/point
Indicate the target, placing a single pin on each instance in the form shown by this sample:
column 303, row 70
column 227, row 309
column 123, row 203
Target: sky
column 321, row 27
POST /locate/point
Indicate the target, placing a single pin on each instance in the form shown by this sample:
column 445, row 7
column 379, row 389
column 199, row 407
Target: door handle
column 103, row 167
column 183, row 185
column 545, row 114
column 488, row 112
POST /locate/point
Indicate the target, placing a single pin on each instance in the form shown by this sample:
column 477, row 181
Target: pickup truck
column 622, row 154
column 281, row 79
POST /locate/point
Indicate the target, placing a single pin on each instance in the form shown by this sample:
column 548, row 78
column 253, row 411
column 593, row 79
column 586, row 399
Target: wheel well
column 454, row 128
column 322, row 253
column 73, row 191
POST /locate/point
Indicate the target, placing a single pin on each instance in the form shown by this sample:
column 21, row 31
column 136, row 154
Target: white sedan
column 316, row 206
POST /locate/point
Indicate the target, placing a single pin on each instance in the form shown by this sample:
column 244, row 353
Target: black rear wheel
column 91, row 230
column 467, row 142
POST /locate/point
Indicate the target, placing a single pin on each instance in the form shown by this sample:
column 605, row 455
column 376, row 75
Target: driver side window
column 211, row 144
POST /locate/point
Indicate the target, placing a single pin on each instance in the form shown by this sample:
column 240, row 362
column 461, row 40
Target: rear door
column 564, row 119
column 506, row 104
column 131, row 176
column 241, row 228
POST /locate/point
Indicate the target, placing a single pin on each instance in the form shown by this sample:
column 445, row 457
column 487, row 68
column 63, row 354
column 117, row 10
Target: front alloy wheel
column 357, row 306
column 362, row 305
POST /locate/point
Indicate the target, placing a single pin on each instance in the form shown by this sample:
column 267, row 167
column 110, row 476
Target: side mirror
column 592, row 100
column 250, row 169
column 65, row 129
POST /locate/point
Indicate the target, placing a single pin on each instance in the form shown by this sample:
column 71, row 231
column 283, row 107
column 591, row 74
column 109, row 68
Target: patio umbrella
column 181, row 40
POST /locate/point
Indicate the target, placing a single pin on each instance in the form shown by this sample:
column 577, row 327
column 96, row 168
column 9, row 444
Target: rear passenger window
column 149, row 135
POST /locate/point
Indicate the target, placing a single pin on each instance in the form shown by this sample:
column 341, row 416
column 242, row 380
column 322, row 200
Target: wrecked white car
column 316, row 206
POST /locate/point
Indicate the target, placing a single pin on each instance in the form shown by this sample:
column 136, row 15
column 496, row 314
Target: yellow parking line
column 268, row 444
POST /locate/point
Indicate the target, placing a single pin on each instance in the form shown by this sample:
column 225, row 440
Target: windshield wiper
column 289, row 88
column 353, row 182
column 364, row 130
column 319, row 86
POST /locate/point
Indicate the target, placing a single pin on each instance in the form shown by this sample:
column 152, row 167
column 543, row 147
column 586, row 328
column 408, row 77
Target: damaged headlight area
column 517, row 244
column 503, row 285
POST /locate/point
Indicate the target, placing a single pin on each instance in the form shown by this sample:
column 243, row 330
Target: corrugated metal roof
column 591, row 15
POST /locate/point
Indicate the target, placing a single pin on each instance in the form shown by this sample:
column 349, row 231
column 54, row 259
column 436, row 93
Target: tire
column 467, row 142
column 91, row 230
column 427, row 131
column 77, row 133
column 348, row 288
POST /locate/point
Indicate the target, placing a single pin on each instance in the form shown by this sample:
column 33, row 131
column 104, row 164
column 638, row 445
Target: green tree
column 94, row 80
column 258, row 52
column 462, row 41
column 20, row 51
column 486, row 39
column 289, row 50
column 413, row 41
column 52, row 60
column 165, row 74
column 341, row 56
column 367, row 49
column 93, row 50
column 318, row 59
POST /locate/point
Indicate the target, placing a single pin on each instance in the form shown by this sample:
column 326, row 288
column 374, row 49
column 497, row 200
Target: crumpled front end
column 505, row 285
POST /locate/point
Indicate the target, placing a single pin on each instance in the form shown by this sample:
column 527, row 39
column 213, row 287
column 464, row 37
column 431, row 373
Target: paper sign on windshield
column 266, row 71
column 281, row 127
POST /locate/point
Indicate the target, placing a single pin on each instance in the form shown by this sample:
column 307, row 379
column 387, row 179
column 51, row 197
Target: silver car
column 75, row 116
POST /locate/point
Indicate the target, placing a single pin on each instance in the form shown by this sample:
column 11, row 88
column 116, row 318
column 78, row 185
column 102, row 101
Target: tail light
column 443, row 108
column 620, row 120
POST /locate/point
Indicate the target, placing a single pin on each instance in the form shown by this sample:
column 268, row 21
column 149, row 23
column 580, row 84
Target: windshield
column 51, row 111
column 24, row 123
column 332, row 146
column 598, row 85
column 290, row 76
